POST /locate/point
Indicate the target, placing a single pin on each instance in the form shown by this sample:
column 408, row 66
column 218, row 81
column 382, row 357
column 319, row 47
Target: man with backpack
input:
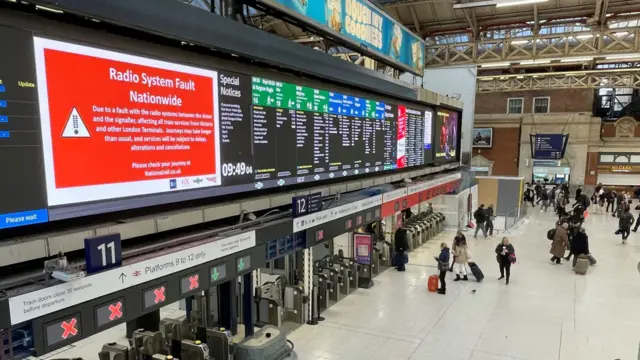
column 480, row 217
column 619, row 204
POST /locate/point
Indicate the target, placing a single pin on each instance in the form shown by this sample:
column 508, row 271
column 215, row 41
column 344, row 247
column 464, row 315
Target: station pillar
column 247, row 304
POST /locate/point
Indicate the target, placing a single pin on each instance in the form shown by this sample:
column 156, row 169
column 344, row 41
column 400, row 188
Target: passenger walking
column 579, row 245
column 401, row 246
column 560, row 243
column 544, row 196
column 443, row 266
column 489, row 217
column 611, row 197
column 578, row 192
column 505, row 253
column 479, row 216
column 528, row 195
column 619, row 203
column 461, row 258
column 624, row 224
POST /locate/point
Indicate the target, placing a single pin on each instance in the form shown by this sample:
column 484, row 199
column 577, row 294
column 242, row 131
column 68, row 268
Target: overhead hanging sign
column 55, row 298
column 548, row 146
column 362, row 26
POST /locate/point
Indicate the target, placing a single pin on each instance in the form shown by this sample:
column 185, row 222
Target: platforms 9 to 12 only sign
column 38, row 303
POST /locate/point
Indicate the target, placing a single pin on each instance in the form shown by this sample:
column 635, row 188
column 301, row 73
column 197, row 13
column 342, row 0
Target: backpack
column 551, row 234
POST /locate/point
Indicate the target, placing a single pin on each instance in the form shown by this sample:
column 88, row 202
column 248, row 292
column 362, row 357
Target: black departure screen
column 23, row 198
column 170, row 136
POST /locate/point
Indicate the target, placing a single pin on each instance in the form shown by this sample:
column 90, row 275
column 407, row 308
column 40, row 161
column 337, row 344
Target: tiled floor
column 547, row 312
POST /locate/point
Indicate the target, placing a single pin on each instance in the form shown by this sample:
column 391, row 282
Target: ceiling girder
column 569, row 80
column 540, row 47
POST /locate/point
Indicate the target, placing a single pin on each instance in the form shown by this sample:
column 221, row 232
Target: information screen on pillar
column 92, row 130
column 447, row 128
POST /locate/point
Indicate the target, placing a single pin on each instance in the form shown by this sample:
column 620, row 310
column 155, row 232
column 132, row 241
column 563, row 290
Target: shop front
column 551, row 171
column 619, row 169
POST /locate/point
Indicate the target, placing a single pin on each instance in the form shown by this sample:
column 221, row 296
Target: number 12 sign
column 102, row 252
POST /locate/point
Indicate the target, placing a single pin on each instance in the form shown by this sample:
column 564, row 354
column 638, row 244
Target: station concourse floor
column 547, row 312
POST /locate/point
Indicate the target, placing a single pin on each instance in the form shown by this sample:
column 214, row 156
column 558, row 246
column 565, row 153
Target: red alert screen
column 116, row 125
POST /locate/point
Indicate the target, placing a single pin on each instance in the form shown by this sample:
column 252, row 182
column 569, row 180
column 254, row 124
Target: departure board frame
column 229, row 187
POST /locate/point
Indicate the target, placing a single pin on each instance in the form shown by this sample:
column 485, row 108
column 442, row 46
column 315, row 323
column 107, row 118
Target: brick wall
column 567, row 100
column 504, row 152
column 592, row 165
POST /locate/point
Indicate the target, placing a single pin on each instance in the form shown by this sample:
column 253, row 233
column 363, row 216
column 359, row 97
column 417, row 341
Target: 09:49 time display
column 236, row 169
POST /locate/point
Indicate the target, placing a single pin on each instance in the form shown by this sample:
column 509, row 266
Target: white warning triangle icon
column 75, row 127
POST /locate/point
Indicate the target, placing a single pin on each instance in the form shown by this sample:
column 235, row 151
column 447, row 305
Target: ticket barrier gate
column 321, row 285
column 269, row 343
column 174, row 331
column 269, row 302
column 385, row 252
column 294, row 300
column 375, row 259
column 353, row 272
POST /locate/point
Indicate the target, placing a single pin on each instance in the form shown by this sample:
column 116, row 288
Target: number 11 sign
column 102, row 252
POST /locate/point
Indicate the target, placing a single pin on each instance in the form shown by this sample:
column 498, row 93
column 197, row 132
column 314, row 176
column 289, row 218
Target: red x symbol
column 193, row 282
column 116, row 311
column 159, row 295
column 69, row 328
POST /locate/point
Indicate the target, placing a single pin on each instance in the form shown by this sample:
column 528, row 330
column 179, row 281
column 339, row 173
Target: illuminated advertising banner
column 447, row 127
column 88, row 131
column 362, row 25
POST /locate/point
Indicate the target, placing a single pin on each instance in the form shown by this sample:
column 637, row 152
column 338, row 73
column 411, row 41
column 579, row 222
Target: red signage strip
column 404, row 198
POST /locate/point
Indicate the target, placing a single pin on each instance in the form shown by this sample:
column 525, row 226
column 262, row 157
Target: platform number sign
column 103, row 252
column 306, row 204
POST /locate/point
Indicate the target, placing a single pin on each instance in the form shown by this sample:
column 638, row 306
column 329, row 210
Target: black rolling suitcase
column 475, row 270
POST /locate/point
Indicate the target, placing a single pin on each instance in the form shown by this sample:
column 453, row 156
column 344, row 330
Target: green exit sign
column 243, row 263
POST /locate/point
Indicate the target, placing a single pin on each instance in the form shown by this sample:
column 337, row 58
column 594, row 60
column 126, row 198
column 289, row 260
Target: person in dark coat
column 488, row 223
column 443, row 266
column 619, row 204
column 624, row 224
column 401, row 246
column 611, row 197
column 578, row 192
column 503, row 250
column 579, row 245
column 480, row 217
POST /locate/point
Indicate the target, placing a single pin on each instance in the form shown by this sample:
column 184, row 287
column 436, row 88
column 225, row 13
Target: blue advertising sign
column 548, row 146
column 363, row 26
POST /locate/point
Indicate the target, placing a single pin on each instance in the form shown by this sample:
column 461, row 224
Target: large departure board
column 113, row 131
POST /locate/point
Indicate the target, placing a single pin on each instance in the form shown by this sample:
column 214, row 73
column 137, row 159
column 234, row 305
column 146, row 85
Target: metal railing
column 514, row 218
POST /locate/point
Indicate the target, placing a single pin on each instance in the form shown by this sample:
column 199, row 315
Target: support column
column 308, row 285
column 247, row 304
column 228, row 311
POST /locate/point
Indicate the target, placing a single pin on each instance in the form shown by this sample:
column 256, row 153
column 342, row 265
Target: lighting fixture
column 581, row 37
column 534, row 62
column 622, row 56
column 621, row 33
column 38, row 7
column 497, row 3
column 495, row 64
column 519, row 42
column 518, row 2
column 586, row 58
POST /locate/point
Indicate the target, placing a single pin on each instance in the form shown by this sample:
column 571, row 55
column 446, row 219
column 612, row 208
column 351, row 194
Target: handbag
column 443, row 266
column 512, row 258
